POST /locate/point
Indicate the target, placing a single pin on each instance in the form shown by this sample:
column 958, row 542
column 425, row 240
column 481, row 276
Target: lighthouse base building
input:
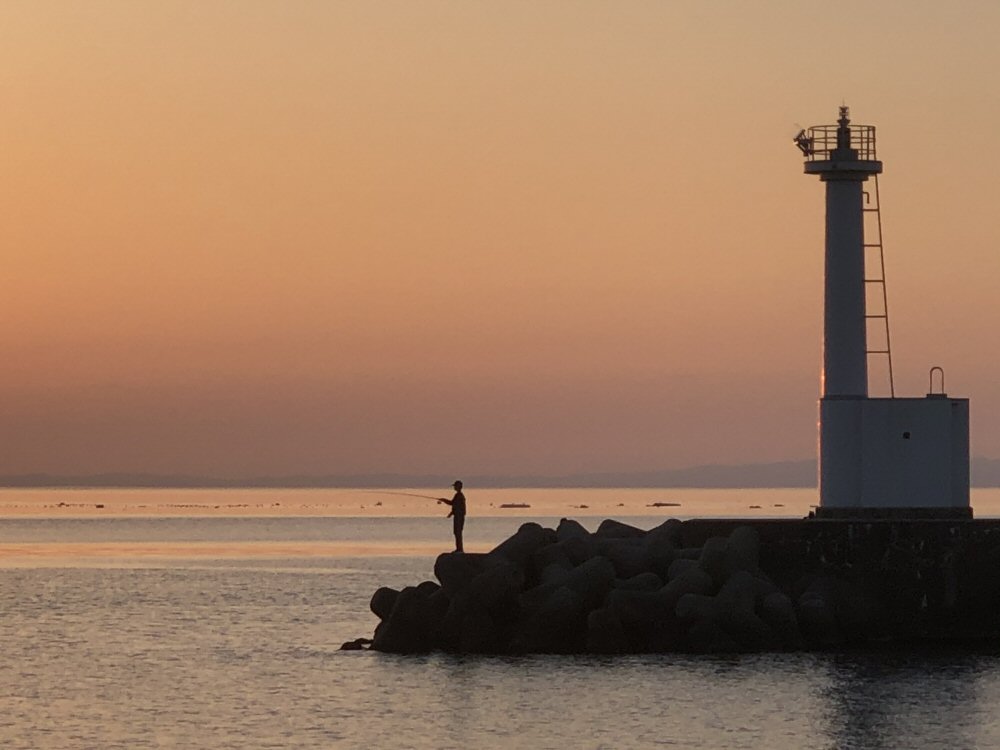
column 894, row 456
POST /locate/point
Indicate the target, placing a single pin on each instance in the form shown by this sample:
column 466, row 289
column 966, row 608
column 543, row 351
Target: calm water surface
column 192, row 650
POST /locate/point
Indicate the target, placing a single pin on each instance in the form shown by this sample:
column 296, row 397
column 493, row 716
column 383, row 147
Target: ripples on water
column 243, row 653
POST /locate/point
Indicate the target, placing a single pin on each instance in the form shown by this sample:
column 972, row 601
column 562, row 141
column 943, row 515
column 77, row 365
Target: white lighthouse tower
column 878, row 457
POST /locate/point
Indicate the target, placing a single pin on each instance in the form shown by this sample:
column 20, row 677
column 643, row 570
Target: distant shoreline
column 799, row 474
column 402, row 486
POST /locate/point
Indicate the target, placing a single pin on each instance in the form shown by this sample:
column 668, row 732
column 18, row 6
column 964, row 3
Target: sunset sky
column 244, row 238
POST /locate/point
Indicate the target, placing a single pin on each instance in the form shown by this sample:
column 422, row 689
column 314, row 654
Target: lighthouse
column 878, row 457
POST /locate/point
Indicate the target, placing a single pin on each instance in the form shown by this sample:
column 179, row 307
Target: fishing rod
column 405, row 494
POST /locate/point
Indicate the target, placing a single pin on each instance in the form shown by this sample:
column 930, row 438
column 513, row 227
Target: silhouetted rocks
column 519, row 548
column 411, row 626
column 455, row 571
column 383, row 601
column 611, row 529
column 703, row 586
column 358, row 644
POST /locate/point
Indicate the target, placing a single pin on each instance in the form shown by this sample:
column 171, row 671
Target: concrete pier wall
column 928, row 578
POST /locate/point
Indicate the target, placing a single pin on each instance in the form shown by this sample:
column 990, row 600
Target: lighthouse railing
column 822, row 140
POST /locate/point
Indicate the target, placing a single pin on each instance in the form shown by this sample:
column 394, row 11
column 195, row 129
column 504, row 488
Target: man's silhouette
column 457, row 513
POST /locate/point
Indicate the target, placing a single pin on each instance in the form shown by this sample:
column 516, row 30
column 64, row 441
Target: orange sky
column 305, row 237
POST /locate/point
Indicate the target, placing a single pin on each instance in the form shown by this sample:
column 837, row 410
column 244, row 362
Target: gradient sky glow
column 245, row 238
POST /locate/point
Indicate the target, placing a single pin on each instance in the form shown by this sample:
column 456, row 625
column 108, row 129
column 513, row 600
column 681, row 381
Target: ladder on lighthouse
column 875, row 291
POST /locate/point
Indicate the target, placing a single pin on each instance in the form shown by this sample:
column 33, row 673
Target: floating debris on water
column 579, row 506
column 663, row 505
column 779, row 505
column 514, row 505
column 754, row 506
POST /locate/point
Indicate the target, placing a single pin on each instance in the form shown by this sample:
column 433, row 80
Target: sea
column 214, row 619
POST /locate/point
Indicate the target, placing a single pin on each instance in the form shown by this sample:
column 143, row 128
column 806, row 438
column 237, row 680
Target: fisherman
column 457, row 513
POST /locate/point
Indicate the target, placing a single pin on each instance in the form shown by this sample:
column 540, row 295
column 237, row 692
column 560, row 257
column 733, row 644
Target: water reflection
column 906, row 700
column 846, row 701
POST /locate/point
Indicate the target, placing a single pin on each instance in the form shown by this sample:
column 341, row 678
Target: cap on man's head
column 457, row 484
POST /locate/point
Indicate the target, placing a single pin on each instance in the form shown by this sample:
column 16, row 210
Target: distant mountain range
column 985, row 473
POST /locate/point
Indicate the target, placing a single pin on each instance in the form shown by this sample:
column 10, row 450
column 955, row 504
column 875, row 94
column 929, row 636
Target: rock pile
column 617, row 590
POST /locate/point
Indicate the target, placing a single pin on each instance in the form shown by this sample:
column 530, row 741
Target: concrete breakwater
column 706, row 585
